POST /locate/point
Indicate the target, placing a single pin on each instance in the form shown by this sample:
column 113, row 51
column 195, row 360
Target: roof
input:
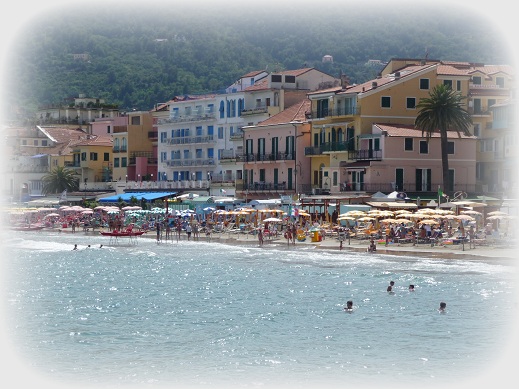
column 401, row 130
column 147, row 196
column 293, row 113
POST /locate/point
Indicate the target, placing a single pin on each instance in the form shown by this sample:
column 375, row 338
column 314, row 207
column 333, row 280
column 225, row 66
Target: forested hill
column 140, row 55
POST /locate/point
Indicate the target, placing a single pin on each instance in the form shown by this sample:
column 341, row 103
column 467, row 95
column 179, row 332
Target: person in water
column 75, row 247
column 349, row 306
column 443, row 307
column 390, row 287
column 411, row 288
column 372, row 246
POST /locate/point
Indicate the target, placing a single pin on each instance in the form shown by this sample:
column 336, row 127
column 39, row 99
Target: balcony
column 329, row 147
column 254, row 111
column 365, row 155
column 190, row 162
column 262, row 186
column 186, row 140
column 188, row 118
column 328, row 113
column 237, row 135
column 269, row 157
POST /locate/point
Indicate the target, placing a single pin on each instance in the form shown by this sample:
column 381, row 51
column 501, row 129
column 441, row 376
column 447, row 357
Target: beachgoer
column 411, row 288
column 390, row 287
column 372, row 246
column 75, row 247
column 288, row 235
column 157, row 224
column 188, row 231
column 100, row 246
column 349, row 306
column 443, row 306
column 260, row 236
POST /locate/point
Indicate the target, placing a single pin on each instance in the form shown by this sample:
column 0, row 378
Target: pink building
column 275, row 162
column 397, row 157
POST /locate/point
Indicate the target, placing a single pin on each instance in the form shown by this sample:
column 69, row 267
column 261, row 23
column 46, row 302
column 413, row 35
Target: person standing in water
column 390, row 287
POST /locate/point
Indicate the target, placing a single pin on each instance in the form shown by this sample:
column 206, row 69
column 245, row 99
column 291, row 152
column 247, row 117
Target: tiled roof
column 252, row 74
column 294, row 113
column 96, row 140
column 401, row 130
column 259, row 85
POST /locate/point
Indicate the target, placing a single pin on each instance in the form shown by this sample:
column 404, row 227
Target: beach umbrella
column 87, row 212
column 272, row 219
column 428, row 221
column 402, row 220
column 52, row 215
column 209, row 209
column 464, row 217
column 390, row 220
column 365, row 219
column 497, row 213
column 346, row 218
column 471, row 212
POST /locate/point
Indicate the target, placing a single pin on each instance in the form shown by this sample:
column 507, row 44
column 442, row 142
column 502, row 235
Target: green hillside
column 140, row 55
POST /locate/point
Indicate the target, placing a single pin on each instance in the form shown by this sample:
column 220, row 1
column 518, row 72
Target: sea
column 205, row 314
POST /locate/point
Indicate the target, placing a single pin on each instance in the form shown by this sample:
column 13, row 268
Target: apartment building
column 343, row 147
column 201, row 143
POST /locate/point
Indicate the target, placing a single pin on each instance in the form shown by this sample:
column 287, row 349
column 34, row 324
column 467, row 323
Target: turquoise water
column 199, row 314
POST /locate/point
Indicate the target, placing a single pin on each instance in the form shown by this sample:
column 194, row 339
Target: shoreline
column 466, row 252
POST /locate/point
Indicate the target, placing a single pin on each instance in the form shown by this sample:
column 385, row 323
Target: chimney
column 374, row 85
column 397, row 75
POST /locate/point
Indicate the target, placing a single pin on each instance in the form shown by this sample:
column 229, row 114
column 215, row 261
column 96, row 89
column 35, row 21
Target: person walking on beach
column 260, row 237
column 157, row 225
column 188, row 231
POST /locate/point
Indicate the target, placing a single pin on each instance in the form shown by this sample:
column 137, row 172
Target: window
column 44, row 142
column 163, row 136
column 210, row 131
column 93, row 156
column 136, row 120
column 83, row 156
column 24, row 142
column 116, row 162
column 477, row 130
column 220, row 132
column 385, row 101
column 106, row 157
column 408, row 144
column 450, row 147
column 448, row 83
column 35, row 142
column 275, row 78
column 198, row 131
column 290, row 79
column 500, row 82
column 163, row 156
column 476, row 80
column 335, row 177
column 458, row 85
column 423, row 180
column 424, row 147
column 424, row 83
column 222, row 110
column 108, row 129
column 198, row 153
column 411, row 103
column 124, row 162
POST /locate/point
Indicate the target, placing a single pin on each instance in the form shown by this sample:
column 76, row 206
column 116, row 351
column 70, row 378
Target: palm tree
column 443, row 111
column 60, row 179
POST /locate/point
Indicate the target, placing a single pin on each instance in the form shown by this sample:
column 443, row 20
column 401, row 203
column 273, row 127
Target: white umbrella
column 272, row 219
column 51, row 215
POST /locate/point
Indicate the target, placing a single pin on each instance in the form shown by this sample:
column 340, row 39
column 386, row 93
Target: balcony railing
column 266, row 186
column 254, row 111
column 191, row 162
column 329, row 146
column 326, row 113
column 188, row 118
column 256, row 157
column 191, row 140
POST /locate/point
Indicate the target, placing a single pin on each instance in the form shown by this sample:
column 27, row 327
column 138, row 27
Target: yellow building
column 92, row 159
column 343, row 117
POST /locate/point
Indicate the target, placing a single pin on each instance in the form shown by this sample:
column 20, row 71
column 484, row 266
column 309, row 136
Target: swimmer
column 100, row 246
column 411, row 288
column 75, row 247
column 349, row 306
column 390, row 287
column 442, row 308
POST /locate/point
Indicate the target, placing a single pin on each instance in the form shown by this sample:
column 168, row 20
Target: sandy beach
column 506, row 250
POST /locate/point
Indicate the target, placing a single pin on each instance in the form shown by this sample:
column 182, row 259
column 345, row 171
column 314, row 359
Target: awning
column 147, row 196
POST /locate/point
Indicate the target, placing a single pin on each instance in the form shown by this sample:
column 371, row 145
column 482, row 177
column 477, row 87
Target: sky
column 498, row 12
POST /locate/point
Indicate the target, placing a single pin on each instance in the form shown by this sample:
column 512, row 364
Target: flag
column 440, row 193
column 63, row 196
column 223, row 191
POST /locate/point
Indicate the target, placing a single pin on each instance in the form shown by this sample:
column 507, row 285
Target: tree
column 443, row 111
column 60, row 179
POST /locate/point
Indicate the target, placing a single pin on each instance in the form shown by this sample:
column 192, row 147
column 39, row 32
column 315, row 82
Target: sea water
column 207, row 314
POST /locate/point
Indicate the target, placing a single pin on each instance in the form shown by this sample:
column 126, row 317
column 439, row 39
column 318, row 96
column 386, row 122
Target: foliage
column 443, row 111
column 139, row 56
column 60, row 179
